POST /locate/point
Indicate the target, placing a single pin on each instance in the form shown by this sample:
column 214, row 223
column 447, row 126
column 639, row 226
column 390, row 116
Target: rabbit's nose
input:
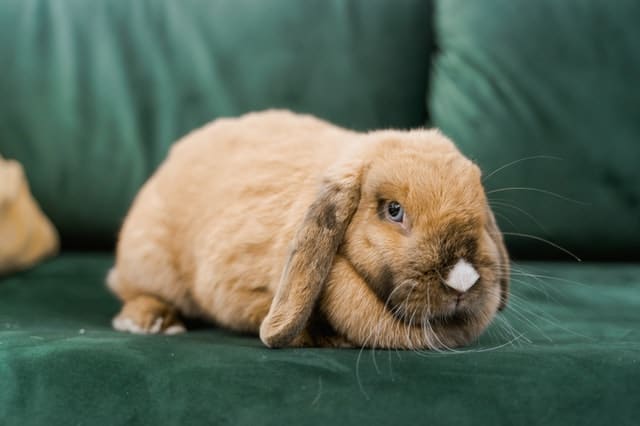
column 462, row 277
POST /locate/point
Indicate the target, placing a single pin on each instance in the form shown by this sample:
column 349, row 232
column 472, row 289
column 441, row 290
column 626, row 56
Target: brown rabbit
column 26, row 234
column 313, row 235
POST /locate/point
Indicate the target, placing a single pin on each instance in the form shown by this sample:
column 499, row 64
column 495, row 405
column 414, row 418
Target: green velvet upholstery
column 519, row 78
column 94, row 92
column 577, row 357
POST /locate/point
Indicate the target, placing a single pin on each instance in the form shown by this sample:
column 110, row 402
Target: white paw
column 175, row 329
column 156, row 326
column 128, row 325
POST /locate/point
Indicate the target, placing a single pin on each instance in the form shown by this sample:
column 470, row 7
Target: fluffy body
column 272, row 223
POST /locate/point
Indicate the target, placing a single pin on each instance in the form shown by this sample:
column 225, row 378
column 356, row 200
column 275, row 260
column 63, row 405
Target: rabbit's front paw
column 148, row 315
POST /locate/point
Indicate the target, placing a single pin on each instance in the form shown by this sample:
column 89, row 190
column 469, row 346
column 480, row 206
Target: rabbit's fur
column 275, row 223
column 26, row 234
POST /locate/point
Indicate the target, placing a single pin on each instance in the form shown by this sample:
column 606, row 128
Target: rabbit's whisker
column 512, row 163
column 540, row 190
column 504, row 217
column 517, row 308
column 502, row 203
column 374, row 338
column 559, row 247
column 541, row 288
column 519, row 304
column 522, row 270
column 510, row 330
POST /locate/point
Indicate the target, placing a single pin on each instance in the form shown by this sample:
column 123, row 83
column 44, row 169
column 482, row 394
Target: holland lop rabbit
column 313, row 235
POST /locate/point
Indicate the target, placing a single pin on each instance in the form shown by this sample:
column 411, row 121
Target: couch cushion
column 565, row 351
column 554, row 80
column 93, row 93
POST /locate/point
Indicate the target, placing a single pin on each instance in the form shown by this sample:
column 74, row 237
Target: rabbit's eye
column 395, row 212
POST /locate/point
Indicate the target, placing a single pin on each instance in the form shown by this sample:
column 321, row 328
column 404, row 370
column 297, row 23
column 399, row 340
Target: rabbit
column 27, row 235
column 308, row 234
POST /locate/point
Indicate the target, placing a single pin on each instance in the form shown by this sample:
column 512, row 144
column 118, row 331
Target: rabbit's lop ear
column 311, row 257
column 503, row 257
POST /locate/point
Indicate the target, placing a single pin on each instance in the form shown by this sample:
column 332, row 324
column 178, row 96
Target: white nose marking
column 462, row 277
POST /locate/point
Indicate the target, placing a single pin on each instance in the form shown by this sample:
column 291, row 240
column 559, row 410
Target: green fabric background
column 519, row 78
column 61, row 364
column 92, row 93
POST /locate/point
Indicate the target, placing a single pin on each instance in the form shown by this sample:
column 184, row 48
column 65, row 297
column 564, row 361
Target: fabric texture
column 566, row 350
column 93, row 93
column 554, row 80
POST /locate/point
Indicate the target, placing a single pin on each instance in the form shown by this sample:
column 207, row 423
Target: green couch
column 92, row 94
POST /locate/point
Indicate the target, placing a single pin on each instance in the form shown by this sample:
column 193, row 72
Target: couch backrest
column 92, row 93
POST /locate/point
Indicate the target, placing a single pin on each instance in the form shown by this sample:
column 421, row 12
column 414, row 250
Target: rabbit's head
column 408, row 211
